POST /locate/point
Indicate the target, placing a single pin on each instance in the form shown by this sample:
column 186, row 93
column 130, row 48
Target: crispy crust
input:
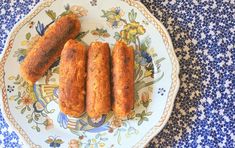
column 49, row 47
column 72, row 79
column 98, row 80
column 123, row 79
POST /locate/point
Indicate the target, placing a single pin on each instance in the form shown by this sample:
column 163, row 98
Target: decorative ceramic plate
column 33, row 110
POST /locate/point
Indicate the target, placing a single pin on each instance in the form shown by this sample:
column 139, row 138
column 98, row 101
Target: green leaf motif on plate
column 51, row 14
column 28, row 35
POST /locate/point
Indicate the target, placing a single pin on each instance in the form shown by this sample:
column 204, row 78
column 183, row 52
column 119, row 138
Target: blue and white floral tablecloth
column 203, row 34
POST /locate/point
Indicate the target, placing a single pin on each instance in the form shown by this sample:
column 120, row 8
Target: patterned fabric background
column 203, row 34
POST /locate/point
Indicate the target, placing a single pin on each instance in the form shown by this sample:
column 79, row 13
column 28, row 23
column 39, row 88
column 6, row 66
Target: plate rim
column 175, row 73
column 150, row 17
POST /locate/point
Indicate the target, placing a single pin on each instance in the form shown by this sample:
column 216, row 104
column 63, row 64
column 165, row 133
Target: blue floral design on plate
column 62, row 119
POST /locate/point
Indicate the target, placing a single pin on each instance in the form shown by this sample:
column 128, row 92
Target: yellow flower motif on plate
column 131, row 31
column 148, row 73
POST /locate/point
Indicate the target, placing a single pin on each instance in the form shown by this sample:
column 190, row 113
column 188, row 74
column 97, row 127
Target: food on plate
column 123, row 79
column 98, row 101
column 72, row 78
column 47, row 50
column 75, row 62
